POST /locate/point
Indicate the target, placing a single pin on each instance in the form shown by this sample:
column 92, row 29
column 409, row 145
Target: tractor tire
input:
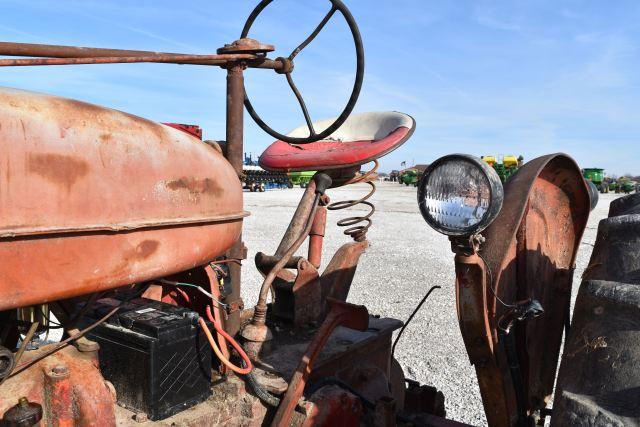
column 599, row 376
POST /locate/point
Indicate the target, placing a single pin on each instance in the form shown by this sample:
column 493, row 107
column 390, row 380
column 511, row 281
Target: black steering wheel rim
column 337, row 5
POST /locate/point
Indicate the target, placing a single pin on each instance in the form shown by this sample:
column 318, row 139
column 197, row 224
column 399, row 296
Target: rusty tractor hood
column 93, row 198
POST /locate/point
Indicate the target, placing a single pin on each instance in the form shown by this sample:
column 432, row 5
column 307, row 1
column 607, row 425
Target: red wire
column 238, row 347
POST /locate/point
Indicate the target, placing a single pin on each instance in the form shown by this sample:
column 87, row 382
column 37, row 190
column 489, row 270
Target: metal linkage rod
column 41, row 54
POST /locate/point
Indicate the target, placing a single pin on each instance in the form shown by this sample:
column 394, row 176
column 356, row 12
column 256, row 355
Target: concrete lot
column 405, row 259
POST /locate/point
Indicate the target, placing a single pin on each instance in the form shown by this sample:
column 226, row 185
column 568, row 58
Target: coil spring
column 357, row 232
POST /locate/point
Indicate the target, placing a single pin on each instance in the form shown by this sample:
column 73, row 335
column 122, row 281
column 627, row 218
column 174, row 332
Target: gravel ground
column 405, row 259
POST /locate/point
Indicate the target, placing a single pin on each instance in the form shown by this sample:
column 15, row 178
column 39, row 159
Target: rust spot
column 146, row 248
column 105, row 137
column 195, row 186
column 57, row 168
column 80, row 105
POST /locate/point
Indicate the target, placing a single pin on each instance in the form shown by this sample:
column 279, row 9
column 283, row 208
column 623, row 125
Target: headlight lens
column 460, row 195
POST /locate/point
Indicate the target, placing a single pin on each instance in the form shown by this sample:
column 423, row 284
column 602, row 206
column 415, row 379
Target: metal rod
column 59, row 51
column 299, row 219
column 316, row 237
column 234, row 154
column 43, row 54
column 172, row 59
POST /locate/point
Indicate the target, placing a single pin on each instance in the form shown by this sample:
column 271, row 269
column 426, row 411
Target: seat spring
column 358, row 232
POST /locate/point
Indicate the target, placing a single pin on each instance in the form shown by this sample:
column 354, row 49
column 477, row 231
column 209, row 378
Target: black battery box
column 155, row 354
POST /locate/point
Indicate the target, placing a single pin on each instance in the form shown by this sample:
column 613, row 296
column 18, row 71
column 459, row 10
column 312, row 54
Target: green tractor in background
column 300, row 178
column 596, row 175
column 410, row 177
column 505, row 168
column 624, row 185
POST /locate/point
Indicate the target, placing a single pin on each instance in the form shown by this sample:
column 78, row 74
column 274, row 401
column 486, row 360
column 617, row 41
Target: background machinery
column 505, row 167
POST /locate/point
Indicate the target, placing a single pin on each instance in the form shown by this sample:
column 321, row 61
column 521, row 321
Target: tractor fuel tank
column 93, row 199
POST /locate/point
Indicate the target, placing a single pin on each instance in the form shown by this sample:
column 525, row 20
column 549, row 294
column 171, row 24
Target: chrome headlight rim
column 496, row 195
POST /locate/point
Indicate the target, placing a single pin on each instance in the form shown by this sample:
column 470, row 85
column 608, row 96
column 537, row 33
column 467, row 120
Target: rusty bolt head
column 60, row 370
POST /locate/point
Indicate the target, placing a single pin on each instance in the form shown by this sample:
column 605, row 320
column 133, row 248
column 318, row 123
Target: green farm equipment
column 596, row 175
column 410, row 177
column 506, row 168
column 625, row 185
column 301, row 178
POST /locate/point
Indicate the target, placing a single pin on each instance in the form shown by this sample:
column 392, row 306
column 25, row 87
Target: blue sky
column 500, row 77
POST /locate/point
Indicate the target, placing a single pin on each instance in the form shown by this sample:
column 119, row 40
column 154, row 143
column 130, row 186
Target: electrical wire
column 260, row 391
column 65, row 342
column 493, row 291
column 395, row 342
column 241, row 371
column 199, row 288
column 227, row 261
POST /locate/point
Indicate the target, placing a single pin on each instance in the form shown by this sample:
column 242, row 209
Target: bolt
column 23, row 401
column 60, row 370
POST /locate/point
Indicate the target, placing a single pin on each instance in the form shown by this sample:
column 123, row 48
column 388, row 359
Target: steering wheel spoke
column 313, row 35
column 296, row 92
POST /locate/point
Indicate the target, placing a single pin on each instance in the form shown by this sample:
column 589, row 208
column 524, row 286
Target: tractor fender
column 529, row 253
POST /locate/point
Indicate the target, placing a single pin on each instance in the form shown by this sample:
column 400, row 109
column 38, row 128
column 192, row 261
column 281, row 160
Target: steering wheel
column 336, row 5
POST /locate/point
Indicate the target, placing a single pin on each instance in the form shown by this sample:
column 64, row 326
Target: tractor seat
column 361, row 138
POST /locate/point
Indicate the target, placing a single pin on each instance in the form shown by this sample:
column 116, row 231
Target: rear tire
column 599, row 376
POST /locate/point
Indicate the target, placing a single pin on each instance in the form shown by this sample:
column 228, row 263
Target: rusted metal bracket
column 300, row 300
column 475, row 326
column 341, row 313
column 466, row 245
column 337, row 277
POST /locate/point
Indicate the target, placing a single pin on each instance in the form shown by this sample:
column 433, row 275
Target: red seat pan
column 362, row 138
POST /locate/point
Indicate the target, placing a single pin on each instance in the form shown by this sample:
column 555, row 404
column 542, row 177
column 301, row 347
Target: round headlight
column 460, row 195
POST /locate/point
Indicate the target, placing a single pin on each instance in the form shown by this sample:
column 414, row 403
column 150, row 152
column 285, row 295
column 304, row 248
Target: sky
column 479, row 77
